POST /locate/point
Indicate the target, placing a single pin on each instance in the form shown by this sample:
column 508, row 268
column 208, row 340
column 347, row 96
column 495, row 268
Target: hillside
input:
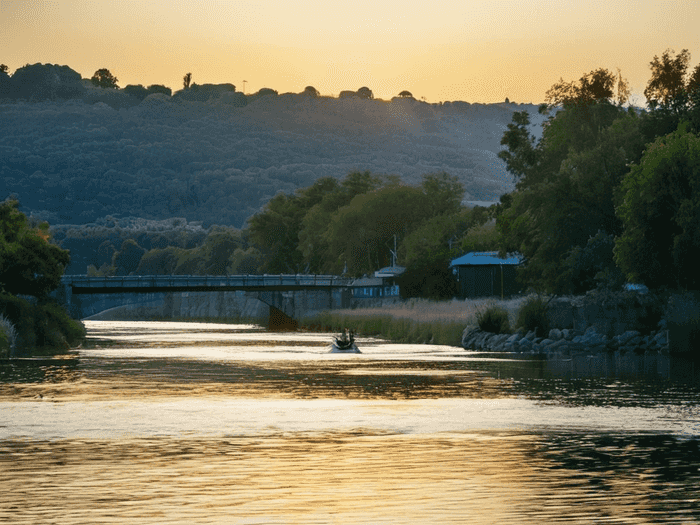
column 75, row 162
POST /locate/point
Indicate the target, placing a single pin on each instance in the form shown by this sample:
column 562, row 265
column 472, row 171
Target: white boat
column 335, row 349
column 345, row 344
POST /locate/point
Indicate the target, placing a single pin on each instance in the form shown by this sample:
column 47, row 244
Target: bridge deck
column 82, row 284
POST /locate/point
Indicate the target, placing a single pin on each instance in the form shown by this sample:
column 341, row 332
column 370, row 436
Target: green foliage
column 127, row 259
column 29, row 263
column 40, row 328
column 569, row 195
column 593, row 266
column 104, row 79
column 660, row 210
column 533, row 316
column 493, row 319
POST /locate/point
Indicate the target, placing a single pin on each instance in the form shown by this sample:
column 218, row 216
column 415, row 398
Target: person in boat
column 346, row 339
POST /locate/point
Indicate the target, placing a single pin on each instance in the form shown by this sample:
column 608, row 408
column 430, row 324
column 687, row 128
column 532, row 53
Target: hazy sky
column 477, row 51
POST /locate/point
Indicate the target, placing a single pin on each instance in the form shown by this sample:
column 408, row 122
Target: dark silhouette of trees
column 45, row 81
column 667, row 80
column 311, row 91
column 406, row 94
column 104, row 79
column 4, row 68
column 187, row 80
column 592, row 87
column 265, row 91
column 365, row 92
column 158, row 88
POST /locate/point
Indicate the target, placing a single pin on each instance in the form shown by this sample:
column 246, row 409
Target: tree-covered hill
column 105, row 152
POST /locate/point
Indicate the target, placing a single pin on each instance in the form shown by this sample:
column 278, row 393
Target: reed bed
column 412, row 321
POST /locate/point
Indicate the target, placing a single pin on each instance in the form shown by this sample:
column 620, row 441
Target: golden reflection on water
column 355, row 477
column 186, row 423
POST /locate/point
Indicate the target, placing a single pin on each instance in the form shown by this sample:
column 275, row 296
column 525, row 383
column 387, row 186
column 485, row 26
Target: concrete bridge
column 289, row 297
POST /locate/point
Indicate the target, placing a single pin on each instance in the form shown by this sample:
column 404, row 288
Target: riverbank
column 36, row 328
column 415, row 321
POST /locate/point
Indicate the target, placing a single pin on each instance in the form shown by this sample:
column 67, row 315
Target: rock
column 623, row 339
column 530, row 335
column 513, row 338
column 660, row 339
column 555, row 334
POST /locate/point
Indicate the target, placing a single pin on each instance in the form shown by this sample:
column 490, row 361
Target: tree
column 365, row 92
column 565, row 189
column 187, row 80
column 311, row 91
column 4, row 68
column 127, row 259
column 444, row 192
column 29, row 263
column 361, row 234
column 136, row 91
column 520, row 154
column 158, row 88
column 660, row 211
column 406, row 94
column 104, row 79
column 596, row 86
column 667, row 80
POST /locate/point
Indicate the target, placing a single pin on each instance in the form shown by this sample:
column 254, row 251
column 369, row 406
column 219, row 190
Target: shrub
column 533, row 316
column 494, row 319
column 8, row 337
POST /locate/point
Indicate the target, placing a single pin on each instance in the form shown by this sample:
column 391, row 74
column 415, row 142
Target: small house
column 485, row 274
column 383, row 284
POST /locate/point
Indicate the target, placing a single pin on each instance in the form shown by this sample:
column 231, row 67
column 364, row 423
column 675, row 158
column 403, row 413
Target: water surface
column 203, row 423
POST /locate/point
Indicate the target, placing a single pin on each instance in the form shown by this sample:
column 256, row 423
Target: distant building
column 383, row 284
column 484, row 274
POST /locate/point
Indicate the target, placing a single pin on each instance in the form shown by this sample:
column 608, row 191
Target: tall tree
column 29, row 263
column 660, row 210
column 667, row 80
column 187, row 80
column 104, row 79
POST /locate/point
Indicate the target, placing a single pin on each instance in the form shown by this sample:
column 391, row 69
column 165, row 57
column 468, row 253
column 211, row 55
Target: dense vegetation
column 75, row 151
column 31, row 267
column 609, row 193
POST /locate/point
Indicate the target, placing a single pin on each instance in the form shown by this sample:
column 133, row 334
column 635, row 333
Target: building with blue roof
column 485, row 274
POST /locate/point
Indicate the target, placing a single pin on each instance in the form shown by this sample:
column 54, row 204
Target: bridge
column 289, row 297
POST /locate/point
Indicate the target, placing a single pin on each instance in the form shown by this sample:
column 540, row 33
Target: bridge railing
column 170, row 281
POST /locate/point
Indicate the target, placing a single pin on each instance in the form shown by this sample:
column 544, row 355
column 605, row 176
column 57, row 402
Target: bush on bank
column 43, row 328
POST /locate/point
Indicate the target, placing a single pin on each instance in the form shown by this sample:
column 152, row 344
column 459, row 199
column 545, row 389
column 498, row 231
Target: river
column 212, row 423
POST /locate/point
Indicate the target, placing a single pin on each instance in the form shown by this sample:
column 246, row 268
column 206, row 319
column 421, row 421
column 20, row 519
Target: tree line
column 48, row 81
column 609, row 193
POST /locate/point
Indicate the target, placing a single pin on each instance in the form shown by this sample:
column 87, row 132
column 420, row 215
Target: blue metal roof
column 483, row 258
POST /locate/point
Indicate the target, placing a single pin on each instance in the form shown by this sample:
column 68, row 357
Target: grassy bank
column 413, row 321
column 42, row 328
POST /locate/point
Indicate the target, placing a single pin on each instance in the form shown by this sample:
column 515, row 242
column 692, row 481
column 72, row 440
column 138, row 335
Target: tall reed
column 412, row 321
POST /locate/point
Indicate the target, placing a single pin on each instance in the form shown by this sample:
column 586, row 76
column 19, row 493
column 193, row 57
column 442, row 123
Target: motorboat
column 345, row 344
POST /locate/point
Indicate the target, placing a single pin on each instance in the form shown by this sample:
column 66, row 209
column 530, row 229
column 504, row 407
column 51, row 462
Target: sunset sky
column 477, row 51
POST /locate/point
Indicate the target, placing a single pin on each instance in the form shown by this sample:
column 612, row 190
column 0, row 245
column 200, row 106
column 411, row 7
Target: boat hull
column 352, row 350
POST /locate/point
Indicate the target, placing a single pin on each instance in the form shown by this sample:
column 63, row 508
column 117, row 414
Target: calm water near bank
column 202, row 423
